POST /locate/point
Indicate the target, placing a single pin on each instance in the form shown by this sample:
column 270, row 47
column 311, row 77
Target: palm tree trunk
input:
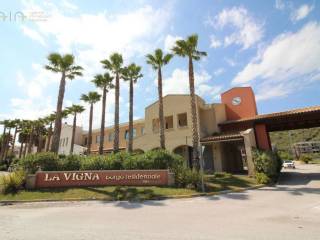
column 7, row 146
column 90, row 130
column 25, row 149
column 104, row 96
column 39, row 143
column 130, row 143
column 3, row 142
column 195, row 134
column 116, row 116
column 57, row 123
column 161, row 116
column 73, row 132
column 14, row 139
column 30, row 144
column 21, row 148
column 49, row 138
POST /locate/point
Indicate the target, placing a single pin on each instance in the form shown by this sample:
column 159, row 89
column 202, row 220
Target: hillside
column 282, row 140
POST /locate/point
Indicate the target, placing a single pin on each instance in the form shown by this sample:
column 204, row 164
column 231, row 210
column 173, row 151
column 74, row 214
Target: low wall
column 55, row 179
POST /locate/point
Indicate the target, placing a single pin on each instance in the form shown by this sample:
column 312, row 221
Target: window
column 98, row 139
column 142, row 130
column 85, row 141
column 169, row 122
column 111, row 137
column 126, row 134
column 182, row 120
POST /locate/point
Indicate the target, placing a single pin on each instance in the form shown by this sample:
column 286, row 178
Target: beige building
column 178, row 134
column 227, row 131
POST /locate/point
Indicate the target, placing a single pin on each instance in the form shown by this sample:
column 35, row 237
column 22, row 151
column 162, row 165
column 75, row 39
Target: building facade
column 227, row 131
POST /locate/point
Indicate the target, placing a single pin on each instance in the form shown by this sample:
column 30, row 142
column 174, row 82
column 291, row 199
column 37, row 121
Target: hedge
column 156, row 159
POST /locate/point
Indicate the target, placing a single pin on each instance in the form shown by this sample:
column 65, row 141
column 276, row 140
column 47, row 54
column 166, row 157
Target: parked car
column 288, row 164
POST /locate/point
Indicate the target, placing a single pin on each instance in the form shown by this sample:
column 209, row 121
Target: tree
column 74, row 109
column 188, row 48
column 104, row 82
column 114, row 64
column 63, row 64
column 91, row 98
column 16, row 124
column 5, row 124
column 157, row 61
column 10, row 125
column 131, row 73
column 50, row 120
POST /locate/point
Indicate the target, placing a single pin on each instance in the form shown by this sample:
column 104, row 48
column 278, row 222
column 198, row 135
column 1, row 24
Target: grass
column 214, row 183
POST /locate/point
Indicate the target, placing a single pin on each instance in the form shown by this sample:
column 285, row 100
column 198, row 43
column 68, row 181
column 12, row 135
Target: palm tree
column 5, row 124
column 114, row 64
column 91, row 98
column 74, row 109
column 157, row 61
column 64, row 65
column 188, row 48
column 16, row 123
column 50, row 120
column 105, row 83
column 131, row 73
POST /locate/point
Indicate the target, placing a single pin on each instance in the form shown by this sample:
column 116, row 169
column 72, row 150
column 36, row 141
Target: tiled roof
column 222, row 137
column 295, row 112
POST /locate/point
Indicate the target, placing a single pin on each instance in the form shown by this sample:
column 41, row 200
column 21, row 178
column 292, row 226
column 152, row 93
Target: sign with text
column 102, row 178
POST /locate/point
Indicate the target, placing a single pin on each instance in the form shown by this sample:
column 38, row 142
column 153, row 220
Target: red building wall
column 246, row 108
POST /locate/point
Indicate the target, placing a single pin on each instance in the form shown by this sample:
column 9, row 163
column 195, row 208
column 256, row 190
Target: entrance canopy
column 295, row 119
column 222, row 138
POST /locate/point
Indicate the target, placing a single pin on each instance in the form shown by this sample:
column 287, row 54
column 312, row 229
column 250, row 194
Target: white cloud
column 218, row 72
column 247, row 31
column 301, row 12
column 178, row 83
column 279, row 4
column 93, row 37
column 170, row 41
column 33, row 35
column 289, row 63
column 33, row 87
column 231, row 62
column 214, row 42
column 26, row 108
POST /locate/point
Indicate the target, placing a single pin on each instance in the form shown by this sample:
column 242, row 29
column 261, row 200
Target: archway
column 186, row 152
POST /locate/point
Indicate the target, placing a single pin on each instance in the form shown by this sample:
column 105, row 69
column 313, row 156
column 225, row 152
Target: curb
column 11, row 202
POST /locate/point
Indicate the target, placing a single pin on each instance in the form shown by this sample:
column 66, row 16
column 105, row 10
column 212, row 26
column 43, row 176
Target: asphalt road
column 290, row 210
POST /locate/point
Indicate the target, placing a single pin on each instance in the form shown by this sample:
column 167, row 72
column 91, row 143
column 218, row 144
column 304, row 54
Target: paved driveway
column 289, row 211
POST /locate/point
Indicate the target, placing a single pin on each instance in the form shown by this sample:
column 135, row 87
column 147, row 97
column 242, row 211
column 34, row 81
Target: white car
column 288, row 164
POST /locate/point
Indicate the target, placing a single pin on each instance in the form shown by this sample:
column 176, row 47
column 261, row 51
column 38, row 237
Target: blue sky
column 273, row 46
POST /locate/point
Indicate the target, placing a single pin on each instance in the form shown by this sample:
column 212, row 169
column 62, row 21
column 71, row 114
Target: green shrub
column 94, row 163
column 305, row 158
column 267, row 162
column 12, row 182
column 70, row 163
column 3, row 167
column 45, row 161
column 262, row 178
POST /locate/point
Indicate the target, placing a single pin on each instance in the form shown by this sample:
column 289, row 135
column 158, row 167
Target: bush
column 94, row 163
column 12, row 182
column 262, row 178
column 305, row 158
column 70, row 163
column 268, row 163
column 156, row 159
column 44, row 161
column 3, row 167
